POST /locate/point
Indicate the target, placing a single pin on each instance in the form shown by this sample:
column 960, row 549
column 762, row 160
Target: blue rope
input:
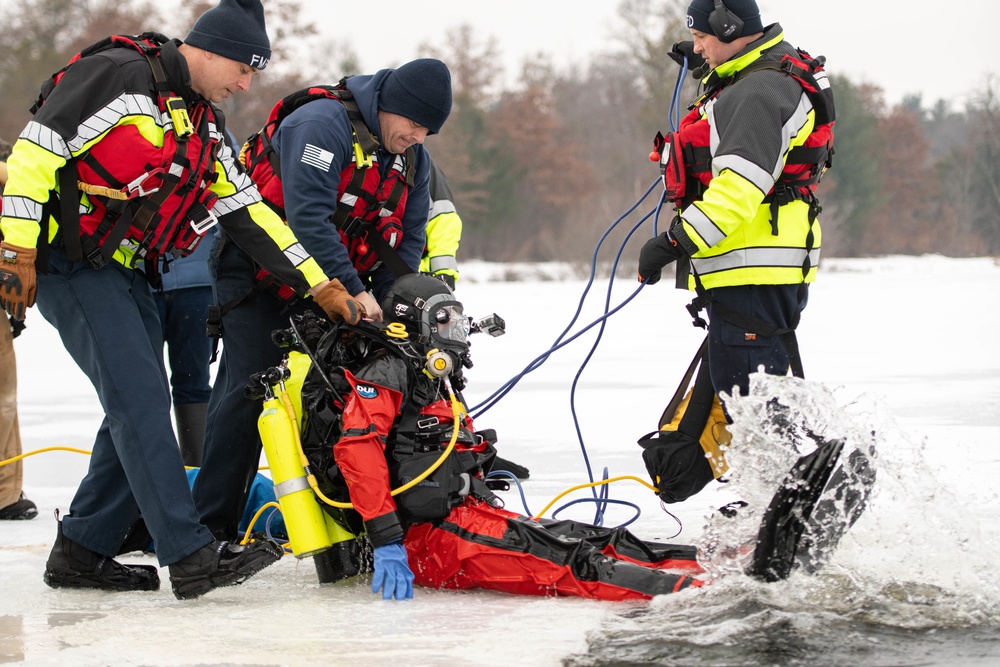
column 478, row 410
column 601, row 498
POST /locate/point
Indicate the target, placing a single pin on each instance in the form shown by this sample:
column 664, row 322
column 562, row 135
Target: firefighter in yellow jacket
column 741, row 170
column 129, row 136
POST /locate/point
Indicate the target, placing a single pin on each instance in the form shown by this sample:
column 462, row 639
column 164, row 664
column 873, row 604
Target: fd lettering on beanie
column 419, row 90
column 235, row 30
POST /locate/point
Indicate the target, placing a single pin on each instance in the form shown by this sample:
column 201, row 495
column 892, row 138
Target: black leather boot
column 220, row 564
column 71, row 565
column 20, row 510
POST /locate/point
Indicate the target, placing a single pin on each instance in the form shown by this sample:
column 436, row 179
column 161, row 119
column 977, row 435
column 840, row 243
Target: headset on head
column 726, row 25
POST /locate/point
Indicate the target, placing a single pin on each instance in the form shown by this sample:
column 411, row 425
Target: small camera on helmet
column 491, row 324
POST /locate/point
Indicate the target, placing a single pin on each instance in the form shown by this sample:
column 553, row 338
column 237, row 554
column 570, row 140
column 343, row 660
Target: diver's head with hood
column 432, row 315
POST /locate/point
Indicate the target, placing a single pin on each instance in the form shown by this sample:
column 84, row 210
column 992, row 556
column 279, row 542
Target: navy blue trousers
column 183, row 314
column 232, row 442
column 734, row 352
column 108, row 323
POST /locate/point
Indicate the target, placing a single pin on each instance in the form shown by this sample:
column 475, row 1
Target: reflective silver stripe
column 792, row 129
column 748, row 258
column 713, row 132
column 21, row 207
column 296, row 254
column 706, row 229
column 747, row 169
column 442, row 262
column 228, row 158
column 289, row 486
column 46, row 138
column 440, row 206
column 237, row 200
column 112, row 114
column 349, row 199
column 822, row 80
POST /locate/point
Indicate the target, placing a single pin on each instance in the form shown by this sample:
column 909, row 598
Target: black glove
column 686, row 48
column 656, row 254
column 16, row 327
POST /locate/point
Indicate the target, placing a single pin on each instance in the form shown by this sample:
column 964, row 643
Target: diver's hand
column 392, row 572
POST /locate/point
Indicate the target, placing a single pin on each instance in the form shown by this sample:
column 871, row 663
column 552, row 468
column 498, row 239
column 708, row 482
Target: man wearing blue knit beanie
column 346, row 167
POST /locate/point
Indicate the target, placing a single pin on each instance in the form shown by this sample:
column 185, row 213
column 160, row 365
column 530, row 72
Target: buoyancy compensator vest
column 419, row 435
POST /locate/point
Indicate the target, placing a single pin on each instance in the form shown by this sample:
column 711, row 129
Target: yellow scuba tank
column 310, row 529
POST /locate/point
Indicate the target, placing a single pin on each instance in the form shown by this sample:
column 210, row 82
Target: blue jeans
column 732, row 354
column 108, row 323
column 232, row 442
column 183, row 315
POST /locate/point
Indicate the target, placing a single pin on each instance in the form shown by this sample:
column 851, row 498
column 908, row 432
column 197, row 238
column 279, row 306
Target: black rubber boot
column 20, row 510
column 190, row 418
column 71, row 565
column 220, row 564
column 338, row 562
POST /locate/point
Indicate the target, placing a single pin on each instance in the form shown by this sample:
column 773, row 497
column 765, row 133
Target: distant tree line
column 541, row 169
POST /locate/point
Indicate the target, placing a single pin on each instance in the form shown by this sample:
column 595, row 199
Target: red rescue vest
column 368, row 206
column 157, row 197
column 686, row 166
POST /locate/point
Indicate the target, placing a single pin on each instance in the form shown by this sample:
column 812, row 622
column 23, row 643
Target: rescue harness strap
column 124, row 208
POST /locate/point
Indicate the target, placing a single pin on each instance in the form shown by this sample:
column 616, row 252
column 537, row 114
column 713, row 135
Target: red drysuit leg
column 478, row 546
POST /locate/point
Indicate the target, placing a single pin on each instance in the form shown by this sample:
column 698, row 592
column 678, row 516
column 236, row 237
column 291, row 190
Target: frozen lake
column 908, row 345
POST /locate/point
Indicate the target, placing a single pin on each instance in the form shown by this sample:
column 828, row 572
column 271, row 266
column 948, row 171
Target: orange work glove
column 337, row 302
column 17, row 279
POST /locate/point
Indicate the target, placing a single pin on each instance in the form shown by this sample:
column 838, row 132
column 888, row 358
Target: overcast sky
column 937, row 48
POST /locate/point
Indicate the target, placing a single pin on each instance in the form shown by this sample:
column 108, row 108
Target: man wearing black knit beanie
column 746, row 236
column 129, row 133
column 226, row 47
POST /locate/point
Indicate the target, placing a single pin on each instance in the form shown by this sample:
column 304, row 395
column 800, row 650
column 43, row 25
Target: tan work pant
column 10, row 434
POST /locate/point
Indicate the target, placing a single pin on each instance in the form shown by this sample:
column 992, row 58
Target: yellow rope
column 584, row 486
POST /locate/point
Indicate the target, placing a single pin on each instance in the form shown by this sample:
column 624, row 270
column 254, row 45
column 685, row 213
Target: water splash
column 781, row 420
column 913, row 581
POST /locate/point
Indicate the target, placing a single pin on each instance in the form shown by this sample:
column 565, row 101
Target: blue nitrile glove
column 392, row 570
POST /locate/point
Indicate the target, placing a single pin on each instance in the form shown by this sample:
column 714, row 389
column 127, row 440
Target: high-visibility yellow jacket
column 753, row 124
column 444, row 229
column 103, row 105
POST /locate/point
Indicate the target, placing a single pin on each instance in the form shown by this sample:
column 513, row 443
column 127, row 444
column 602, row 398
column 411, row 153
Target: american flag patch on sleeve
column 317, row 157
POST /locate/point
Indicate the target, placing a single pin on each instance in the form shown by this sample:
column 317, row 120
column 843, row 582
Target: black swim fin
column 780, row 537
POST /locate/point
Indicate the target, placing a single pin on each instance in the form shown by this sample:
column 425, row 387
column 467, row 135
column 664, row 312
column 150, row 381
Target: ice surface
column 905, row 344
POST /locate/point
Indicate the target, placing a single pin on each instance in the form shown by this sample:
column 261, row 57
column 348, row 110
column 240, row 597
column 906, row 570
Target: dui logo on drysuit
column 366, row 391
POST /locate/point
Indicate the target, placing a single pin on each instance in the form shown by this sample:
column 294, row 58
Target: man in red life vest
column 345, row 166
